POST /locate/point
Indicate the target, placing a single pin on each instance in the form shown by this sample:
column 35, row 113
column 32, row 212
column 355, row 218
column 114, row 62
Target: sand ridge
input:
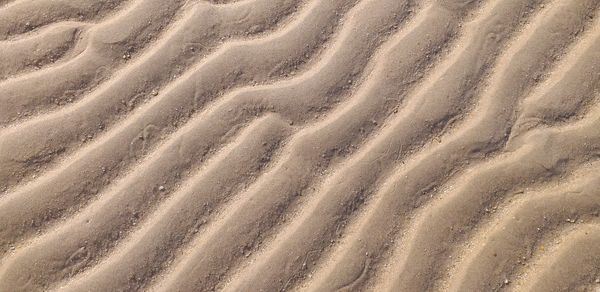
column 308, row 145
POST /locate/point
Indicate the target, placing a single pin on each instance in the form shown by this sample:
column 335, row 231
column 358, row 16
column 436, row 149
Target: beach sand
column 299, row 145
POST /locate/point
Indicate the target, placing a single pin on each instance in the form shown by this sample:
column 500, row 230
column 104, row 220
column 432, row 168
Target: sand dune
column 308, row 145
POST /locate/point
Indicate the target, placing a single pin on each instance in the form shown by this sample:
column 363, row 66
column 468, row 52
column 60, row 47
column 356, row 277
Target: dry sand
column 299, row 145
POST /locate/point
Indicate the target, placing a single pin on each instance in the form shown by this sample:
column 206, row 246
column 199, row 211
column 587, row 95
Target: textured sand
column 299, row 145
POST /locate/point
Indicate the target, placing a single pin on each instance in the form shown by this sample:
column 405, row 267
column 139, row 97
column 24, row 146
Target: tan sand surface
column 299, row 145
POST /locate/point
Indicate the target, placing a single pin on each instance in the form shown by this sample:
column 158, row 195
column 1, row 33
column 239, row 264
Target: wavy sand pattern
column 304, row 145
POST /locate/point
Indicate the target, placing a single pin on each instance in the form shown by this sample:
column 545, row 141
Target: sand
column 299, row 145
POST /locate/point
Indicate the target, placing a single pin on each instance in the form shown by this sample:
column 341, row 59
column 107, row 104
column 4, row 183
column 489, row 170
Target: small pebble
column 161, row 188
